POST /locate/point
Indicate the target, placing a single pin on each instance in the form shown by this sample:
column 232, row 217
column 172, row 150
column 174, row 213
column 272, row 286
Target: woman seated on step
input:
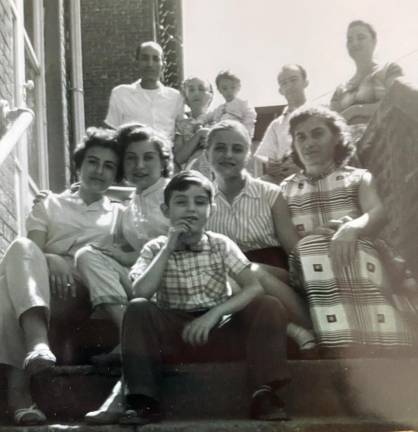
column 335, row 212
column 147, row 165
column 248, row 211
column 41, row 265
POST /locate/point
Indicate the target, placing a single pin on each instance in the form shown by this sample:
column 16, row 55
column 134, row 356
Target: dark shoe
column 140, row 416
column 266, row 405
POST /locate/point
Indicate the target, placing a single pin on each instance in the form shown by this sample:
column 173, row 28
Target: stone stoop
column 299, row 425
column 384, row 390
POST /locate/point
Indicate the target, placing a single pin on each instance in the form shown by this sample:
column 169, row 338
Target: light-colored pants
column 24, row 284
column 106, row 279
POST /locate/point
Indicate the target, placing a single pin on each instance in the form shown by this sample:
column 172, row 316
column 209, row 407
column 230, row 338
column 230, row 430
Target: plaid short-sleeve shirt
column 195, row 278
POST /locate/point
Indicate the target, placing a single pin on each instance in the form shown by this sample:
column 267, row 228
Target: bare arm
column 196, row 332
column 360, row 110
column 343, row 243
column 285, row 230
column 183, row 148
column 250, row 289
column 147, row 284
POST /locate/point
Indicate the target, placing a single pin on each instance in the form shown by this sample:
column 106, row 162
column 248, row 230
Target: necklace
column 315, row 178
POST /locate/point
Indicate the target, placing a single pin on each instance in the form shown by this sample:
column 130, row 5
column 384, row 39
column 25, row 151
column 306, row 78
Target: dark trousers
column 151, row 334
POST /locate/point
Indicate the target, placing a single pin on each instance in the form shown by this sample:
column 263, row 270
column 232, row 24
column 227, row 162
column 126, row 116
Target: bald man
column 146, row 101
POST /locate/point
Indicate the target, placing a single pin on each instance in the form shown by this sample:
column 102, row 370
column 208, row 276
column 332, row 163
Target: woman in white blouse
column 42, row 264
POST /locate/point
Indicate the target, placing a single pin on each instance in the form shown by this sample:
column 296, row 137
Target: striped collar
column 250, row 188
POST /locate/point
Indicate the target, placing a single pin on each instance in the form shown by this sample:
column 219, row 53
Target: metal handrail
column 24, row 118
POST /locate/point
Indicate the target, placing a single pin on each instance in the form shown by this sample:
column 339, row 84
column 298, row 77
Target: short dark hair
column 134, row 132
column 365, row 24
column 98, row 137
column 337, row 125
column 183, row 180
column 226, row 75
column 302, row 70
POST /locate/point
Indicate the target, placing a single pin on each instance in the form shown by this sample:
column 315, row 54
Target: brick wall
column 109, row 61
column 390, row 151
column 7, row 195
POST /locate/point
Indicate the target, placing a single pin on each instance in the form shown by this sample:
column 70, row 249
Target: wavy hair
column 98, row 137
column 344, row 149
column 136, row 132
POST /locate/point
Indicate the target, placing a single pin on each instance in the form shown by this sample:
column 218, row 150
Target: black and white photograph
column 208, row 216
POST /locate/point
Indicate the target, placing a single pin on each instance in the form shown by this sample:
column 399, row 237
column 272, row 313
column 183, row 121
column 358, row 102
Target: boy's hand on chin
column 174, row 233
column 196, row 332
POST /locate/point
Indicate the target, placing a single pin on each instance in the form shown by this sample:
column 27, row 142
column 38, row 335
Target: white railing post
column 77, row 71
column 40, row 98
column 22, row 186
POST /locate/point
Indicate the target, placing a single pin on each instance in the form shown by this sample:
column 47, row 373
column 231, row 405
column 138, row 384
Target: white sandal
column 38, row 360
column 29, row 416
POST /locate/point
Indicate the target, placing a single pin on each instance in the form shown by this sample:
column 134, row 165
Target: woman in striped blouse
column 336, row 210
column 248, row 211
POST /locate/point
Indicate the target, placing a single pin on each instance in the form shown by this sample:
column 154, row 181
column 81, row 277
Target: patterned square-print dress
column 352, row 308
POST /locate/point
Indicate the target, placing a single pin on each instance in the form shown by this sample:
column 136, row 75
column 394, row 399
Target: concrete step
column 299, row 425
column 364, row 388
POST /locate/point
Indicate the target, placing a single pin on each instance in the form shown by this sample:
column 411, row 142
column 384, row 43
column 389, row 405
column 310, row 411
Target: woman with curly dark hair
column 335, row 209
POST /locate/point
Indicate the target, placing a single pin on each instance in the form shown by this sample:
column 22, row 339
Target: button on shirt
column 70, row 223
column 248, row 220
column 276, row 141
column 196, row 278
column 157, row 108
column 143, row 219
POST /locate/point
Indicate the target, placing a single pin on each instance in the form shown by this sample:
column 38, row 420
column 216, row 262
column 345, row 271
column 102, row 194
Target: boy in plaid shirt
column 185, row 273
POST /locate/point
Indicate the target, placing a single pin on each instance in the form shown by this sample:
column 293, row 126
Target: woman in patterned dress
column 336, row 210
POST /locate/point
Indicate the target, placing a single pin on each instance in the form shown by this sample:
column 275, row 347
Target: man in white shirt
column 274, row 148
column 147, row 100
